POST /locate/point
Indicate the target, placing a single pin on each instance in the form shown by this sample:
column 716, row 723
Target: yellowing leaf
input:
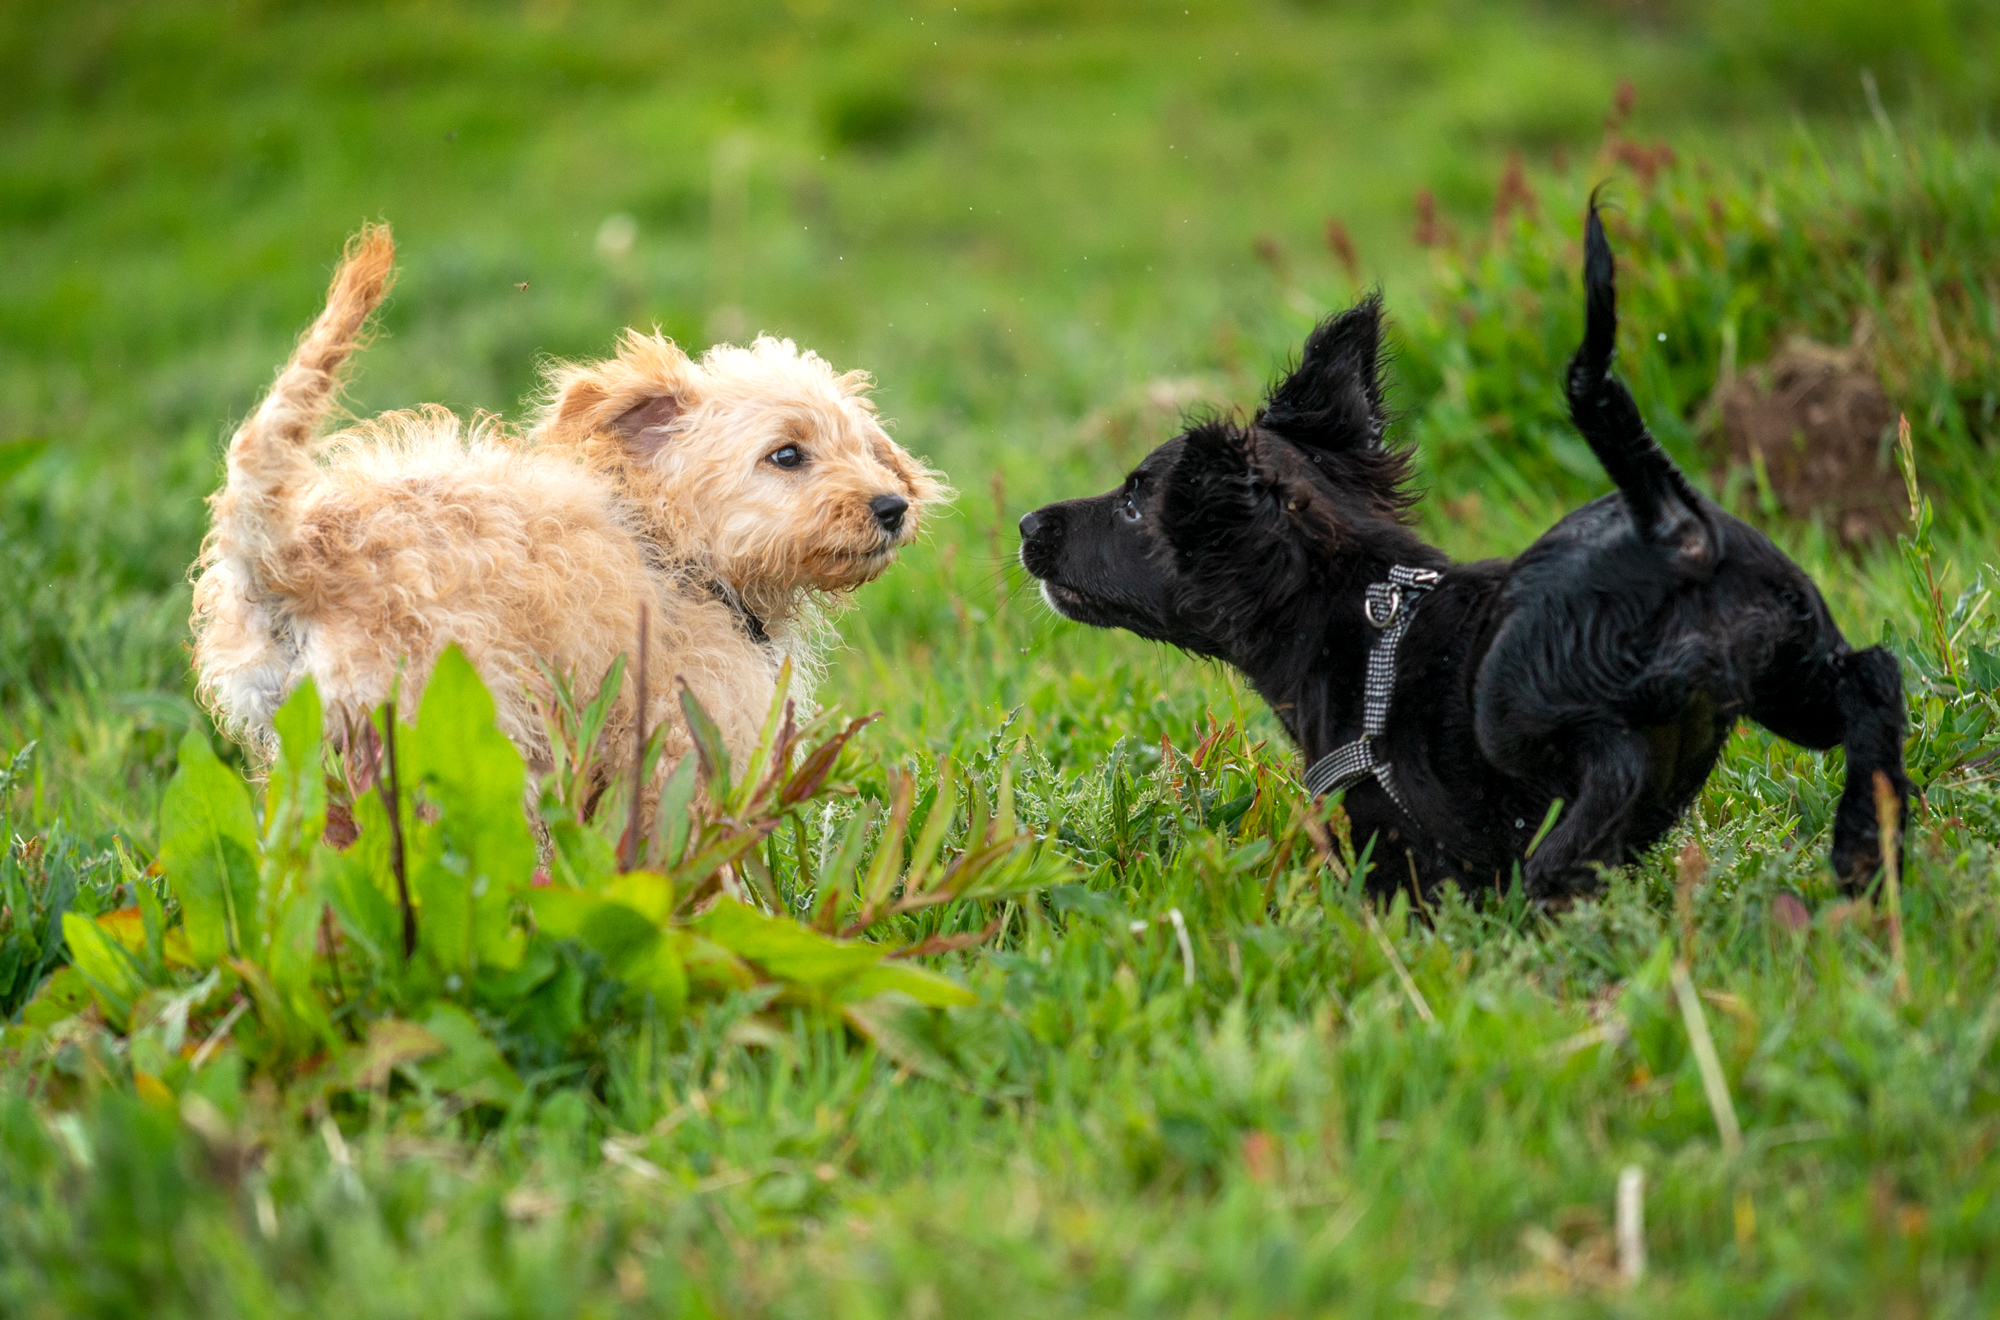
column 391, row 1043
column 126, row 926
column 109, row 970
column 152, row 1090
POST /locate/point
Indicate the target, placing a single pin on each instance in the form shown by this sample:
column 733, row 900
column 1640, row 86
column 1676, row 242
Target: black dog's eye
column 1128, row 508
column 789, row 456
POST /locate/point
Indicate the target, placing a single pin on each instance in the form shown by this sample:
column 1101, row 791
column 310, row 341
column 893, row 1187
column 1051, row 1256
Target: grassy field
column 1195, row 1072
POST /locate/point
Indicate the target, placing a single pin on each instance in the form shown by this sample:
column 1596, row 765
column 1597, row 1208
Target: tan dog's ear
column 638, row 396
column 648, row 425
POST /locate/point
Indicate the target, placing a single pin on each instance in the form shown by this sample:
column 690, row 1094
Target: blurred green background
column 1047, row 228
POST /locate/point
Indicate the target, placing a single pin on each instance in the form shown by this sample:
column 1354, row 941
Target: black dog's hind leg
column 1853, row 699
column 1609, row 773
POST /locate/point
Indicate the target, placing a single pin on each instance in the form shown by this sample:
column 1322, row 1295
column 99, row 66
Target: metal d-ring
column 1395, row 604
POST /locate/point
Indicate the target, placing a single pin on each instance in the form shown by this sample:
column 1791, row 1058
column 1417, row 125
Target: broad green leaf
column 293, row 1018
column 710, row 968
column 590, row 723
column 658, row 969
column 646, row 893
column 1983, row 668
column 358, row 883
column 208, row 849
column 17, row 454
column 289, row 902
column 617, row 932
column 919, row 983
column 582, row 857
column 542, row 998
column 561, row 910
column 295, row 802
column 760, row 755
column 292, row 939
column 708, row 745
column 943, row 808
column 784, row 948
column 504, row 990
column 887, row 864
column 471, row 1065
column 625, row 927
column 468, row 865
column 670, row 836
column 62, row 995
column 611, row 928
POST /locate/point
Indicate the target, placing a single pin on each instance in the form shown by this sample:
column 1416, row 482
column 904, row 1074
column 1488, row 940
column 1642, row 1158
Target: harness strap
column 656, row 559
column 1389, row 607
column 752, row 625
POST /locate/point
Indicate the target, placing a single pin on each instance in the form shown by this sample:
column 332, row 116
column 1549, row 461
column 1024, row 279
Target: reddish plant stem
column 391, row 788
column 628, row 851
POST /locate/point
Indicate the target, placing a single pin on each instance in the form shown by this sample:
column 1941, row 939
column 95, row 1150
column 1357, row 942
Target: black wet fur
column 1606, row 666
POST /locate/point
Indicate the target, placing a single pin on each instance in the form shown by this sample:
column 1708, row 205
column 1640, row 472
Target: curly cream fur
column 646, row 481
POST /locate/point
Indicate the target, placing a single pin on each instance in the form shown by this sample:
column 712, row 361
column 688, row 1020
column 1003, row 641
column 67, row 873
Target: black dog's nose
column 1030, row 524
column 889, row 511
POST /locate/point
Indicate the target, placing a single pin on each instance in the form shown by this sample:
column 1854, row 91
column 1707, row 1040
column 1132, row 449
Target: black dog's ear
column 1333, row 400
column 1212, row 490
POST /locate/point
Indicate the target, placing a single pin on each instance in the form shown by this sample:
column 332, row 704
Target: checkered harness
column 1389, row 607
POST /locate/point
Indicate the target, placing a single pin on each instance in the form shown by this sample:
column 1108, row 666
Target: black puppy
column 1455, row 703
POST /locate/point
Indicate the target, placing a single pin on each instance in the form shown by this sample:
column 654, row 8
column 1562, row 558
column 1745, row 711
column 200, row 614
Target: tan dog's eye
column 788, row 457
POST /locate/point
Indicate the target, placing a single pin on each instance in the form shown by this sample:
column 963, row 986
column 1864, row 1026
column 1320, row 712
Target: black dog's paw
column 1857, row 853
column 1555, row 889
column 1857, row 833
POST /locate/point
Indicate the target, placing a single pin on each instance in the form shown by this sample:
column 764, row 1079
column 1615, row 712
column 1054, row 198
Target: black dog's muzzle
column 1041, row 541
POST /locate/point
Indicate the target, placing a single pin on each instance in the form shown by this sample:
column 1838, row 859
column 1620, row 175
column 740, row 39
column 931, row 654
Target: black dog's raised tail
column 1664, row 507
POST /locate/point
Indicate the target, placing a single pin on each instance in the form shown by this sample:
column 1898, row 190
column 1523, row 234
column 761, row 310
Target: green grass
column 1046, row 229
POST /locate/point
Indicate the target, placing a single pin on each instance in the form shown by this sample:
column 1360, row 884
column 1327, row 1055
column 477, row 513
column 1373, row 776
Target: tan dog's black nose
column 889, row 511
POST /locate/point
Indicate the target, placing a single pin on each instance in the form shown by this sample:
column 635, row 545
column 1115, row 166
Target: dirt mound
column 1822, row 426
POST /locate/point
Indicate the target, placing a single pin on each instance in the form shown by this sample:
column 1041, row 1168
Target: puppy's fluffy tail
column 1665, row 509
column 271, row 454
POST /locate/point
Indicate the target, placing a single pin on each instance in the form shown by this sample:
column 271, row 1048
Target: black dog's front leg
column 1608, row 774
column 1869, row 695
column 1852, row 699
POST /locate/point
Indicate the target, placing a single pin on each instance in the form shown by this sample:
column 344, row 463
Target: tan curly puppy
column 739, row 496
